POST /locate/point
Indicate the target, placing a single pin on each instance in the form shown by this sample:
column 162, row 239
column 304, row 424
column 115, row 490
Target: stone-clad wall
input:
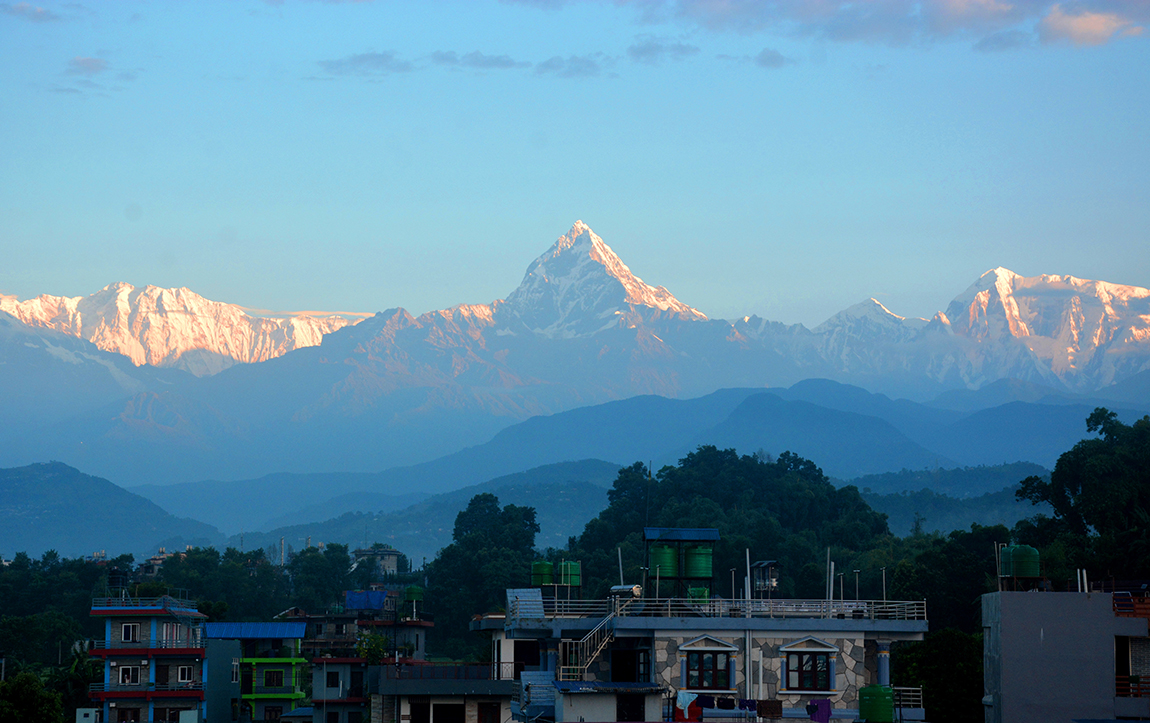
column 854, row 668
column 1140, row 656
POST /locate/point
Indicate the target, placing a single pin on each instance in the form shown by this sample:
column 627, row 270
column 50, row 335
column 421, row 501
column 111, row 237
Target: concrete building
column 1057, row 657
column 153, row 653
column 608, row 659
column 269, row 673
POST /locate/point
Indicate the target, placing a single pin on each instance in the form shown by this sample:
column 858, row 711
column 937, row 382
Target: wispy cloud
column 86, row 66
column 901, row 22
column 367, row 64
column 27, row 11
column 1004, row 40
column 770, row 58
column 477, row 60
column 1084, row 27
column 573, row 66
column 653, row 49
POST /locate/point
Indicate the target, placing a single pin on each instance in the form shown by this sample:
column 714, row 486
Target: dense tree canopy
column 1100, row 492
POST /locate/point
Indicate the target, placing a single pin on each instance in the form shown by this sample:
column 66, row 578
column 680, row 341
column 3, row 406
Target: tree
column 1100, row 492
column 24, row 698
column 491, row 550
column 948, row 666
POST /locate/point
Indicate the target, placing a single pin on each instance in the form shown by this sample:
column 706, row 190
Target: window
column 808, row 671
column 184, row 674
column 130, row 632
column 273, row 712
column 235, row 670
column 341, row 629
column 332, row 716
column 354, row 716
column 333, row 679
column 319, row 630
column 273, row 678
column 129, row 675
column 708, row 670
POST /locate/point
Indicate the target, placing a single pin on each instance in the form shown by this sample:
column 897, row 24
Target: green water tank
column 542, row 573
column 413, row 593
column 664, row 561
column 1025, row 561
column 698, row 594
column 570, row 573
column 876, row 704
column 1006, row 567
column 697, row 562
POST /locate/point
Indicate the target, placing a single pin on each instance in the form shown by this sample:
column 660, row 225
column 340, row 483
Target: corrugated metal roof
column 685, row 534
column 254, row 631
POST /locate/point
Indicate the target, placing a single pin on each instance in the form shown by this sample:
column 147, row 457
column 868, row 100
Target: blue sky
column 787, row 159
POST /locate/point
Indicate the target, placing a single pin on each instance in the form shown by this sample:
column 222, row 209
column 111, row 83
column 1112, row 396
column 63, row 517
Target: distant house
column 267, row 668
column 1056, row 657
column 383, row 559
column 153, row 653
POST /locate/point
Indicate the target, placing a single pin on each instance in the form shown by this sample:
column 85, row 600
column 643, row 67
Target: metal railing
column 684, row 607
column 147, row 644
column 452, row 671
column 164, row 601
column 1127, row 606
column 142, row 688
column 907, row 697
column 576, row 655
column 1131, row 686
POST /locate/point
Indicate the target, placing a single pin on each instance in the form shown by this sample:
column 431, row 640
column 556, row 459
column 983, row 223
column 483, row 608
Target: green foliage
column 24, row 698
column 233, row 586
column 1100, row 492
column 948, row 666
column 783, row 509
column 491, row 551
column 319, row 578
column 374, row 648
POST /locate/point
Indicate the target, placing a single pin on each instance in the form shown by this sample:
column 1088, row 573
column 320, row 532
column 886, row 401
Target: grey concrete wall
column 1049, row 657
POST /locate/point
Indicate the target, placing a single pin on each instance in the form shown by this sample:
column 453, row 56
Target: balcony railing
column 907, row 697
column 452, row 671
column 1127, row 606
column 719, row 608
column 1131, row 686
column 164, row 601
column 146, row 644
column 142, row 688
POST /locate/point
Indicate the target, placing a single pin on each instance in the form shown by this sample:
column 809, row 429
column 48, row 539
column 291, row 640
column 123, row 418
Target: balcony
column 1131, row 686
column 134, row 645
column 1128, row 606
column 146, row 691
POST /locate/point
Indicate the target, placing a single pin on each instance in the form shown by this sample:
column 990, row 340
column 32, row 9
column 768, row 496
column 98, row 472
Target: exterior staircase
column 575, row 656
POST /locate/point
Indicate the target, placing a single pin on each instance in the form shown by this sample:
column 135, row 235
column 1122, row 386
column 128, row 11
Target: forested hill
column 56, row 507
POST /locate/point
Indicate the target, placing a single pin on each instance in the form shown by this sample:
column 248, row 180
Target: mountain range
column 255, row 396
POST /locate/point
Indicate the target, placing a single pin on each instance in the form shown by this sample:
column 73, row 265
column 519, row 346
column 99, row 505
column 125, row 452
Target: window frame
column 327, row 681
column 185, row 670
column 701, row 676
column 129, row 672
column 807, row 679
column 129, row 632
column 274, row 671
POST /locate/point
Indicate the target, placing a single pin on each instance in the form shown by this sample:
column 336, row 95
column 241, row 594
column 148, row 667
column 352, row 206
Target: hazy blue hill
column 1018, row 431
column 54, row 506
column 958, row 482
column 997, row 393
column 565, row 496
column 940, row 513
column 1132, row 390
column 843, row 444
column 255, row 504
column 911, row 418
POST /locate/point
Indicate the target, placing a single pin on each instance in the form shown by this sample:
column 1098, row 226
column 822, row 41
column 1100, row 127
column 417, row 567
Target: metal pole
column 884, row 584
column 857, row 584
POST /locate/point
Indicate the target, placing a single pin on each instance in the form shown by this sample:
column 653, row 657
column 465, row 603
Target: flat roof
column 684, row 534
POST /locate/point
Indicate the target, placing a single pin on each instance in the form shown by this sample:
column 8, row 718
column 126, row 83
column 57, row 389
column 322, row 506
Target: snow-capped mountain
column 580, row 286
column 173, row 327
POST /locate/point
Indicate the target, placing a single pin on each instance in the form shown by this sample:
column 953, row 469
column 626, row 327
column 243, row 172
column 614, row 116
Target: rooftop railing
column 1131, row 686
column 144, row 687
column 164, row 601
column 146, row 644
column 452, row 671
column 719, row 608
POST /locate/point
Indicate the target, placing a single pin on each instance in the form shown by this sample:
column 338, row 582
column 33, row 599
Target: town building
column 153, row 654
column 269, row 670
column 1057, row 657
column 628, row 657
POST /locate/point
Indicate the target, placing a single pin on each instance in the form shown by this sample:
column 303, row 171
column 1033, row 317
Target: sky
column 787, row 159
